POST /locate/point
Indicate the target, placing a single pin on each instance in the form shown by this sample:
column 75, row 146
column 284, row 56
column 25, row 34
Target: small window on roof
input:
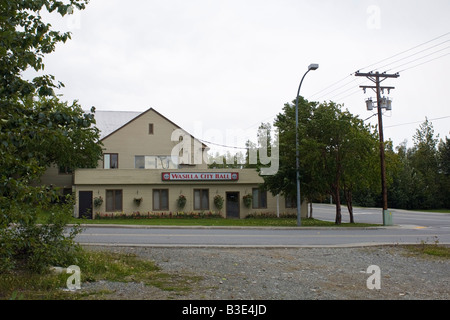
column 150, row 128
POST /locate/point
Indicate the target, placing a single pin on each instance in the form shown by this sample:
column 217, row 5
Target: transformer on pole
column 385, row 103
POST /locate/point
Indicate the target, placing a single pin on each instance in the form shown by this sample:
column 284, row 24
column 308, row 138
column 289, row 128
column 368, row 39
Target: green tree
column 424, row 161
column 398, row 176
column 444, row 171
column 37, row 129
column 420, row 175
column 284, row 181
column 361, row 166
column 336, row 136
column 336, row 153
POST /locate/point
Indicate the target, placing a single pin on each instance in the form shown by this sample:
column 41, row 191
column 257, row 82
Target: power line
column 353, row 80
column 221, row 145
column 408, row 123
column 332, row 85
column 383, row 60
column 333, row 98
column 371, row 65
column 420, row 64
column 349, row 95
column 430, row 54
column 396, row 55
column 398, row 60
column 411, row 55
column 375, row 114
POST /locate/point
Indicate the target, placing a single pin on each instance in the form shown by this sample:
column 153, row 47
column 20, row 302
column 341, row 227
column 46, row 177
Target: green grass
column 425, row 250
column 94, row 266
column 252, row 222
column 260, row 220
column 438, row 210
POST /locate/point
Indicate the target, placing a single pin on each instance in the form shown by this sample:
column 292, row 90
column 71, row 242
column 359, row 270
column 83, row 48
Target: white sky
column 217, row 66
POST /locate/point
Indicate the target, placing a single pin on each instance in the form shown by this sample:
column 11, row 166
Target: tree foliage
column 420, row 179
column 336, row 153
column 339, row 156
column 37, row 129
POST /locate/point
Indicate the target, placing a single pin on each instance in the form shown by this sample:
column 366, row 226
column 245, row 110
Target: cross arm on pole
column 377, row 74
column 375, row 88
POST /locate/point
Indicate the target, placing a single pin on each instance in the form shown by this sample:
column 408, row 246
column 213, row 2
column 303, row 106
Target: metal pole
column 297, row 154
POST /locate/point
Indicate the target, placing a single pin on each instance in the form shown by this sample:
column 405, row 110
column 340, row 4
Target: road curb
column 230, row 227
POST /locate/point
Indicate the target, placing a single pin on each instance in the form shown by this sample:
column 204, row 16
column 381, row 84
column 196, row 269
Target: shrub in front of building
column 270, row 215
column 159, row 215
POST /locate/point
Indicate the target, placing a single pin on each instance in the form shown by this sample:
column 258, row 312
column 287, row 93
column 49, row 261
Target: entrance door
column 85, row 204
column 232, row 204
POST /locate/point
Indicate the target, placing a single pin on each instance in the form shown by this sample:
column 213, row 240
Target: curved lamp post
column 313, row 66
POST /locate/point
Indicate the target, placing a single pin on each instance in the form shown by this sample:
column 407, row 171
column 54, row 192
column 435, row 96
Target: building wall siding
column 145, row 192
column 134, row 139
column 52, row 177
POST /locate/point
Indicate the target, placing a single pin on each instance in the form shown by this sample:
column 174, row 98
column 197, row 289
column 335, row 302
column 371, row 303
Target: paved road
column 417, row 227
column 259, row 237
column 374, row 215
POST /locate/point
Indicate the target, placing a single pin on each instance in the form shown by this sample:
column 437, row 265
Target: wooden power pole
column 377, row 78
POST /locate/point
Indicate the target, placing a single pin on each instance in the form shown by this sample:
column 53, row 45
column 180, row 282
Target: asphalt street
column 374, row 215
column 409, row 228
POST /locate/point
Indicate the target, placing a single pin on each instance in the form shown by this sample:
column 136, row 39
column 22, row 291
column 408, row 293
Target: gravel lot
column 287, row 274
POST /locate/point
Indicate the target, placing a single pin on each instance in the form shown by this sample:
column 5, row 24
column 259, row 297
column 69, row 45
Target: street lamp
column 313, row 66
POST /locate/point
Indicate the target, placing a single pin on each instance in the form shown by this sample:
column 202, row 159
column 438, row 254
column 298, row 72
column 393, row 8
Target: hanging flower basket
column 218, row 201
column 181, row 202
column 98, row 202
column 137, row 201
column 247, row 200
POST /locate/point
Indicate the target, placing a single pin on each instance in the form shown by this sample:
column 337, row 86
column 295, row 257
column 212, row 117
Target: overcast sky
column 215, row 67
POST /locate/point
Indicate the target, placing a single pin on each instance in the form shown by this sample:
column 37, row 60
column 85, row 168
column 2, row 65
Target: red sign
column 200, row 176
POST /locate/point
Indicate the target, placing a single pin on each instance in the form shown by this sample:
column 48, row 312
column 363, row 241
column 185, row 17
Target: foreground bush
column 27, row 245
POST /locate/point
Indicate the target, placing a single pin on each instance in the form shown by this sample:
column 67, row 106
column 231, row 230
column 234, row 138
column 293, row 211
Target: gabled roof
column 109, row 122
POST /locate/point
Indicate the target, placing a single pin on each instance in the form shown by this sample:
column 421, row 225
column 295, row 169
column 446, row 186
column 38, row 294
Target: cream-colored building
column 148, row 163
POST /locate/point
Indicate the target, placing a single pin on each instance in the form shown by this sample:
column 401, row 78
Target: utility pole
column 377, row 78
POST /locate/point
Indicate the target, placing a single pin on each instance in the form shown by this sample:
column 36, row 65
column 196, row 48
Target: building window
column 150, row 128
column 64, row 170
column 160, row 199
column 110, row 161
column 201, row 199
column 155, row 162
column 139, row 162
column 259, row 199
column 290, row 202
column 113, row 200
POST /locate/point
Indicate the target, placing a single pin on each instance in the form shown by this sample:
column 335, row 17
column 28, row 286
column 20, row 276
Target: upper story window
column 155, row 162
column 110, row 161
column 65, row 170
column 150, row 128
